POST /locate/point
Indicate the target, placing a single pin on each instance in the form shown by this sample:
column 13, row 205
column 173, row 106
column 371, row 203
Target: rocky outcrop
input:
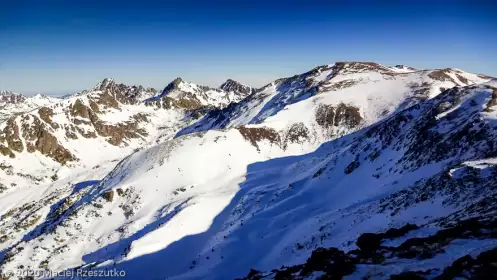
column 490, row 106
column 46, row 115
column 39, row 138
column 332, row 263
column 449, row 75
column 297, row 133
column 257, row 134
column 6, row 151
column 115, row 133
column 350, row 67
column 109, row 196
column 236, row 87
column 11, row 97
column 188, row 102
column 328, row 115
column 35, row 131
column 188, row 96
column 11, row 136
column 113, row 93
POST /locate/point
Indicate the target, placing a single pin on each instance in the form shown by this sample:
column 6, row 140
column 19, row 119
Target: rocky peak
column 177, row 81
column 105, row 84
column 349, row 67
column 236, row 87
column 109, row 89
column 404, row 67
column 10, row 97
column 172, row 85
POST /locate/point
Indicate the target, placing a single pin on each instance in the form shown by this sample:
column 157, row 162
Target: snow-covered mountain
column 10, row 97
column 191, row 96
column 202, row 183
column 237, row 88
column 52, row 137
column 369, row 91
column 14, row 103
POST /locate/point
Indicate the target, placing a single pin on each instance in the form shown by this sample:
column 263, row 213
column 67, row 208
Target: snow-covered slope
column 371, row 90
column 305, row 162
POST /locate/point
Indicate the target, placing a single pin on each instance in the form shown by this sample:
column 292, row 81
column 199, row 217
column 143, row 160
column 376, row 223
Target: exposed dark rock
column 46, row 115
column 341, row 85
column 11, row 97
column 409, row 275
column 234, row 86
column 253, row 273
column 78, row 109
column 352, row 166
column 257, row 134
column 38, row 138
column 328, row 115
column 483, row 267
column 492, row 102
column 107, row 100
column 361, row 67
column 369, row 241
column 333, row 262
column 297, row 133
column 6, row 151
column 11, row 135
column 109, row 195
column 443, row 75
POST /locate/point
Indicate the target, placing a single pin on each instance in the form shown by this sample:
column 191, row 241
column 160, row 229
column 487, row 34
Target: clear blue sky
column 66, row 46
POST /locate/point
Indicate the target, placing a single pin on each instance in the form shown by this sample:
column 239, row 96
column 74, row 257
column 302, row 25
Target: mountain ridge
column 313, row 160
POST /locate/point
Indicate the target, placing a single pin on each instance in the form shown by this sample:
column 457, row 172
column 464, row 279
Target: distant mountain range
column 352, row 169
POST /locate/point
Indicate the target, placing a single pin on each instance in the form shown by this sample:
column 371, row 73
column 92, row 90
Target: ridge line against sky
column 59, row 47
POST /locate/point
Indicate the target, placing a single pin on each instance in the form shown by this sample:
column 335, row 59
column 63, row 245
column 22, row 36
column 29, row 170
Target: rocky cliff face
column 77, row 117
column 11, row 97
column 239, row 89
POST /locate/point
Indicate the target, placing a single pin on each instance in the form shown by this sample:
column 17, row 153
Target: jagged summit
column 177, row 81
column 105, row 84
column 174, row 84
column 10, row 97
column 236, row 87
column 187, row 95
